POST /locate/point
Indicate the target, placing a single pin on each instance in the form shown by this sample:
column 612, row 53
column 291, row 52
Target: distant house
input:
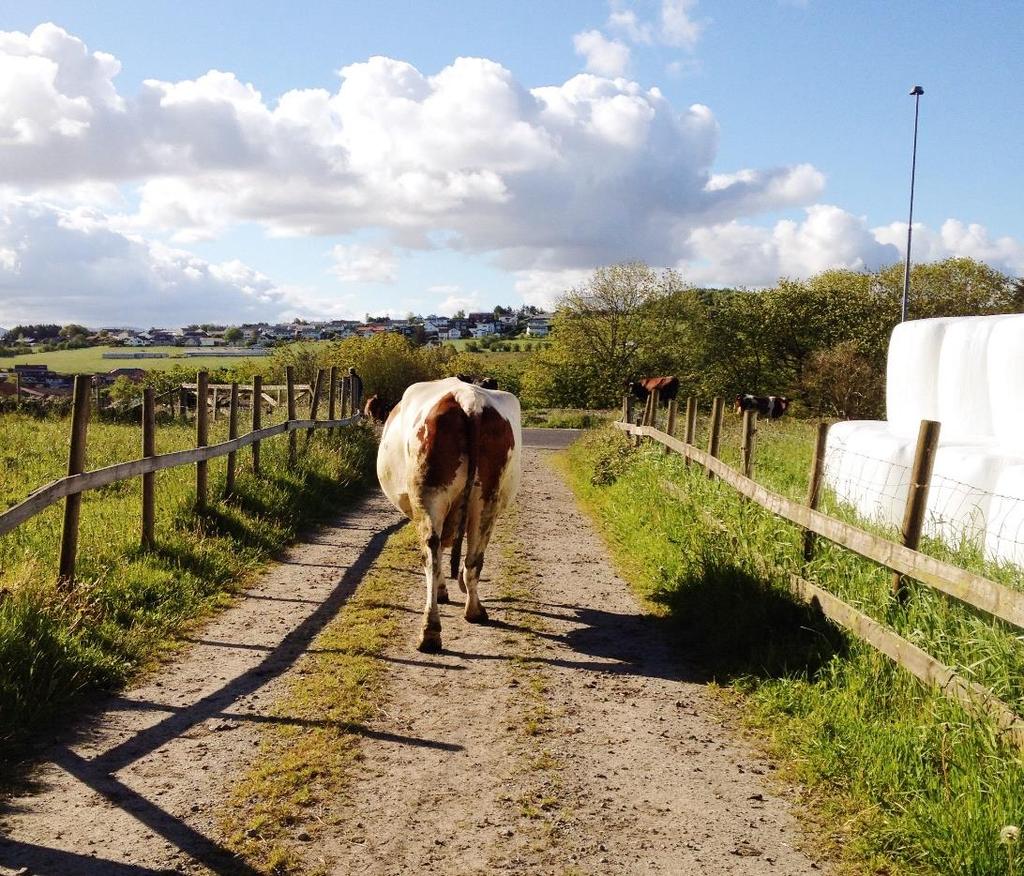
column 482, row 329
column 138, row 341
column 539, row 326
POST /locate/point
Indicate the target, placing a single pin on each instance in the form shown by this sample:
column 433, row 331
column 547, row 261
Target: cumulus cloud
column 562, row 176
column 360, row 263
column 70, row 265
column 737, row 253
column 547, row 182
column 956, row 238
column 678, row 27
column 734, row 253
column 601, row 55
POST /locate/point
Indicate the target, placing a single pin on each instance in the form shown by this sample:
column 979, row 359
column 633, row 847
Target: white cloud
column 543, row 288
column 601, row 55
column 360, row 263
column 563, row 176
column 626, row 22
column 955, row 238
column 736, row 253
column 547, row 182
column 464, row 301
column 677, row 27
column 63, row 265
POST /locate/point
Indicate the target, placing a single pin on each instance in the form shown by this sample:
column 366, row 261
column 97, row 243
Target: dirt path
column 567, row 736
column 135, row 791
column 564, row 737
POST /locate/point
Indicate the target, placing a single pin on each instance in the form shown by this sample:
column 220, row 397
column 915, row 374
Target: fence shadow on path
column 99, row 773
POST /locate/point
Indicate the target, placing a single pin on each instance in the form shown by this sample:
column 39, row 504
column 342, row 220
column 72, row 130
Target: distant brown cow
column 482, row 382
column 376, row 409
column 668, row 387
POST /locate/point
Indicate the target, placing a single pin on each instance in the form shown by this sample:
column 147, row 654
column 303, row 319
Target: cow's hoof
column 476, row 617
column 430, row 642
column 442, row 595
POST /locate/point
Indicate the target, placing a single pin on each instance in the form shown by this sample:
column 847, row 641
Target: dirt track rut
column 564, row 737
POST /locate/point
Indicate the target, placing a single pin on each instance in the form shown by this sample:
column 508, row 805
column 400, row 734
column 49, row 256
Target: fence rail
column 968, row 587
column 77, row 481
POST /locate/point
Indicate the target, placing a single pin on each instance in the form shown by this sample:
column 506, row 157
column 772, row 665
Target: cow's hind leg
column 477, row 539
column 430, row 640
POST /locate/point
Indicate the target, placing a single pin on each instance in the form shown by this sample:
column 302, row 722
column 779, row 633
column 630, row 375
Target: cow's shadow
column 724, row 624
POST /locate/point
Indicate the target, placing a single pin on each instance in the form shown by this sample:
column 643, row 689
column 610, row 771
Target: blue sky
column 797, row 159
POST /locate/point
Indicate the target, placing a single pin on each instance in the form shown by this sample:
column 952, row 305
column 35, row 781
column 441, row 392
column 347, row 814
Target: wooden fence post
column 202, row 435
column 76, row 465
column 17, row 389
column 917, row 497
column 691, row 424
column 229, row 483
column 289, row 372
column 356, row 384
column 314, row 401
column 670, row 425
column 332, row 395
column 183, row 403
column 257, row 419
column 749, row 440
column 627, row 409
column 814, row 485
column 148, row 479
column 716, row 431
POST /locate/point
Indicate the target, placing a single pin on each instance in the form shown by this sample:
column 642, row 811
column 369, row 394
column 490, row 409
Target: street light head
column 917, row 91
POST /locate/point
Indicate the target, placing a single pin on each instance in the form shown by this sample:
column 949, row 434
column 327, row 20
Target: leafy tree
column 233, row 335
column 625, row 322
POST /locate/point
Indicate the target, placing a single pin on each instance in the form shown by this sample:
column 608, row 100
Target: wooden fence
column 903, row 559
column 78, row 480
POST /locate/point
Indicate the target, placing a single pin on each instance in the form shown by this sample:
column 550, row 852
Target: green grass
column 129, row 604
column 904, row 780
column 89, row 360
column 565, row 418
column 305, row 760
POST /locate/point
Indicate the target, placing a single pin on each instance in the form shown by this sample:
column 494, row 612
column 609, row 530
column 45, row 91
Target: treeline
column 822, row 341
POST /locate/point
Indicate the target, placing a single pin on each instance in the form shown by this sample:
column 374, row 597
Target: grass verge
column 283, row 804
column 533, row 721
column 902, row 778
column 129, row 604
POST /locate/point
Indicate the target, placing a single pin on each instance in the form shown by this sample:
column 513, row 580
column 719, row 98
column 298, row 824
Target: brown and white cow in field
column 450, row 460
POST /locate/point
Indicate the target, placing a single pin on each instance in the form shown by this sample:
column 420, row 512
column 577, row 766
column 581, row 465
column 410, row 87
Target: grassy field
column 89, row 360
column 130, row 604
column 902, row 780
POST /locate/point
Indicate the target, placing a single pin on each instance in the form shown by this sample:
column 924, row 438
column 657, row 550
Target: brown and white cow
column 668, row 387
column 450, row 460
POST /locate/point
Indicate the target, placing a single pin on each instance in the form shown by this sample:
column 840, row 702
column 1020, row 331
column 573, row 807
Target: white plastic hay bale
column 1004, row 539
column 967, row 373
column 867, row 465
column 912, row 374
column 963, row 480
column 1006, row 381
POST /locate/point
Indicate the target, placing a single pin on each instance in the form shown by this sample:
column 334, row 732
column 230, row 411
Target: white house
column 539, row 326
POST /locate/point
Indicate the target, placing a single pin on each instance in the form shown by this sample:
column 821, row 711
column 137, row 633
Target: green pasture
column 899, row 779
column 89, row 360
column 129, row 604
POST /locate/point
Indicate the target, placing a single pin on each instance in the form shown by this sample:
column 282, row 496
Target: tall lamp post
column 916, row 93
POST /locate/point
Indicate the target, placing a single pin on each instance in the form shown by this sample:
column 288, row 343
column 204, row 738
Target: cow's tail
column 472, row 455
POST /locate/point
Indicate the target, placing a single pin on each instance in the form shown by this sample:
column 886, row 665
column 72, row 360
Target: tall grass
column 129, row 603
column 905, row 778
